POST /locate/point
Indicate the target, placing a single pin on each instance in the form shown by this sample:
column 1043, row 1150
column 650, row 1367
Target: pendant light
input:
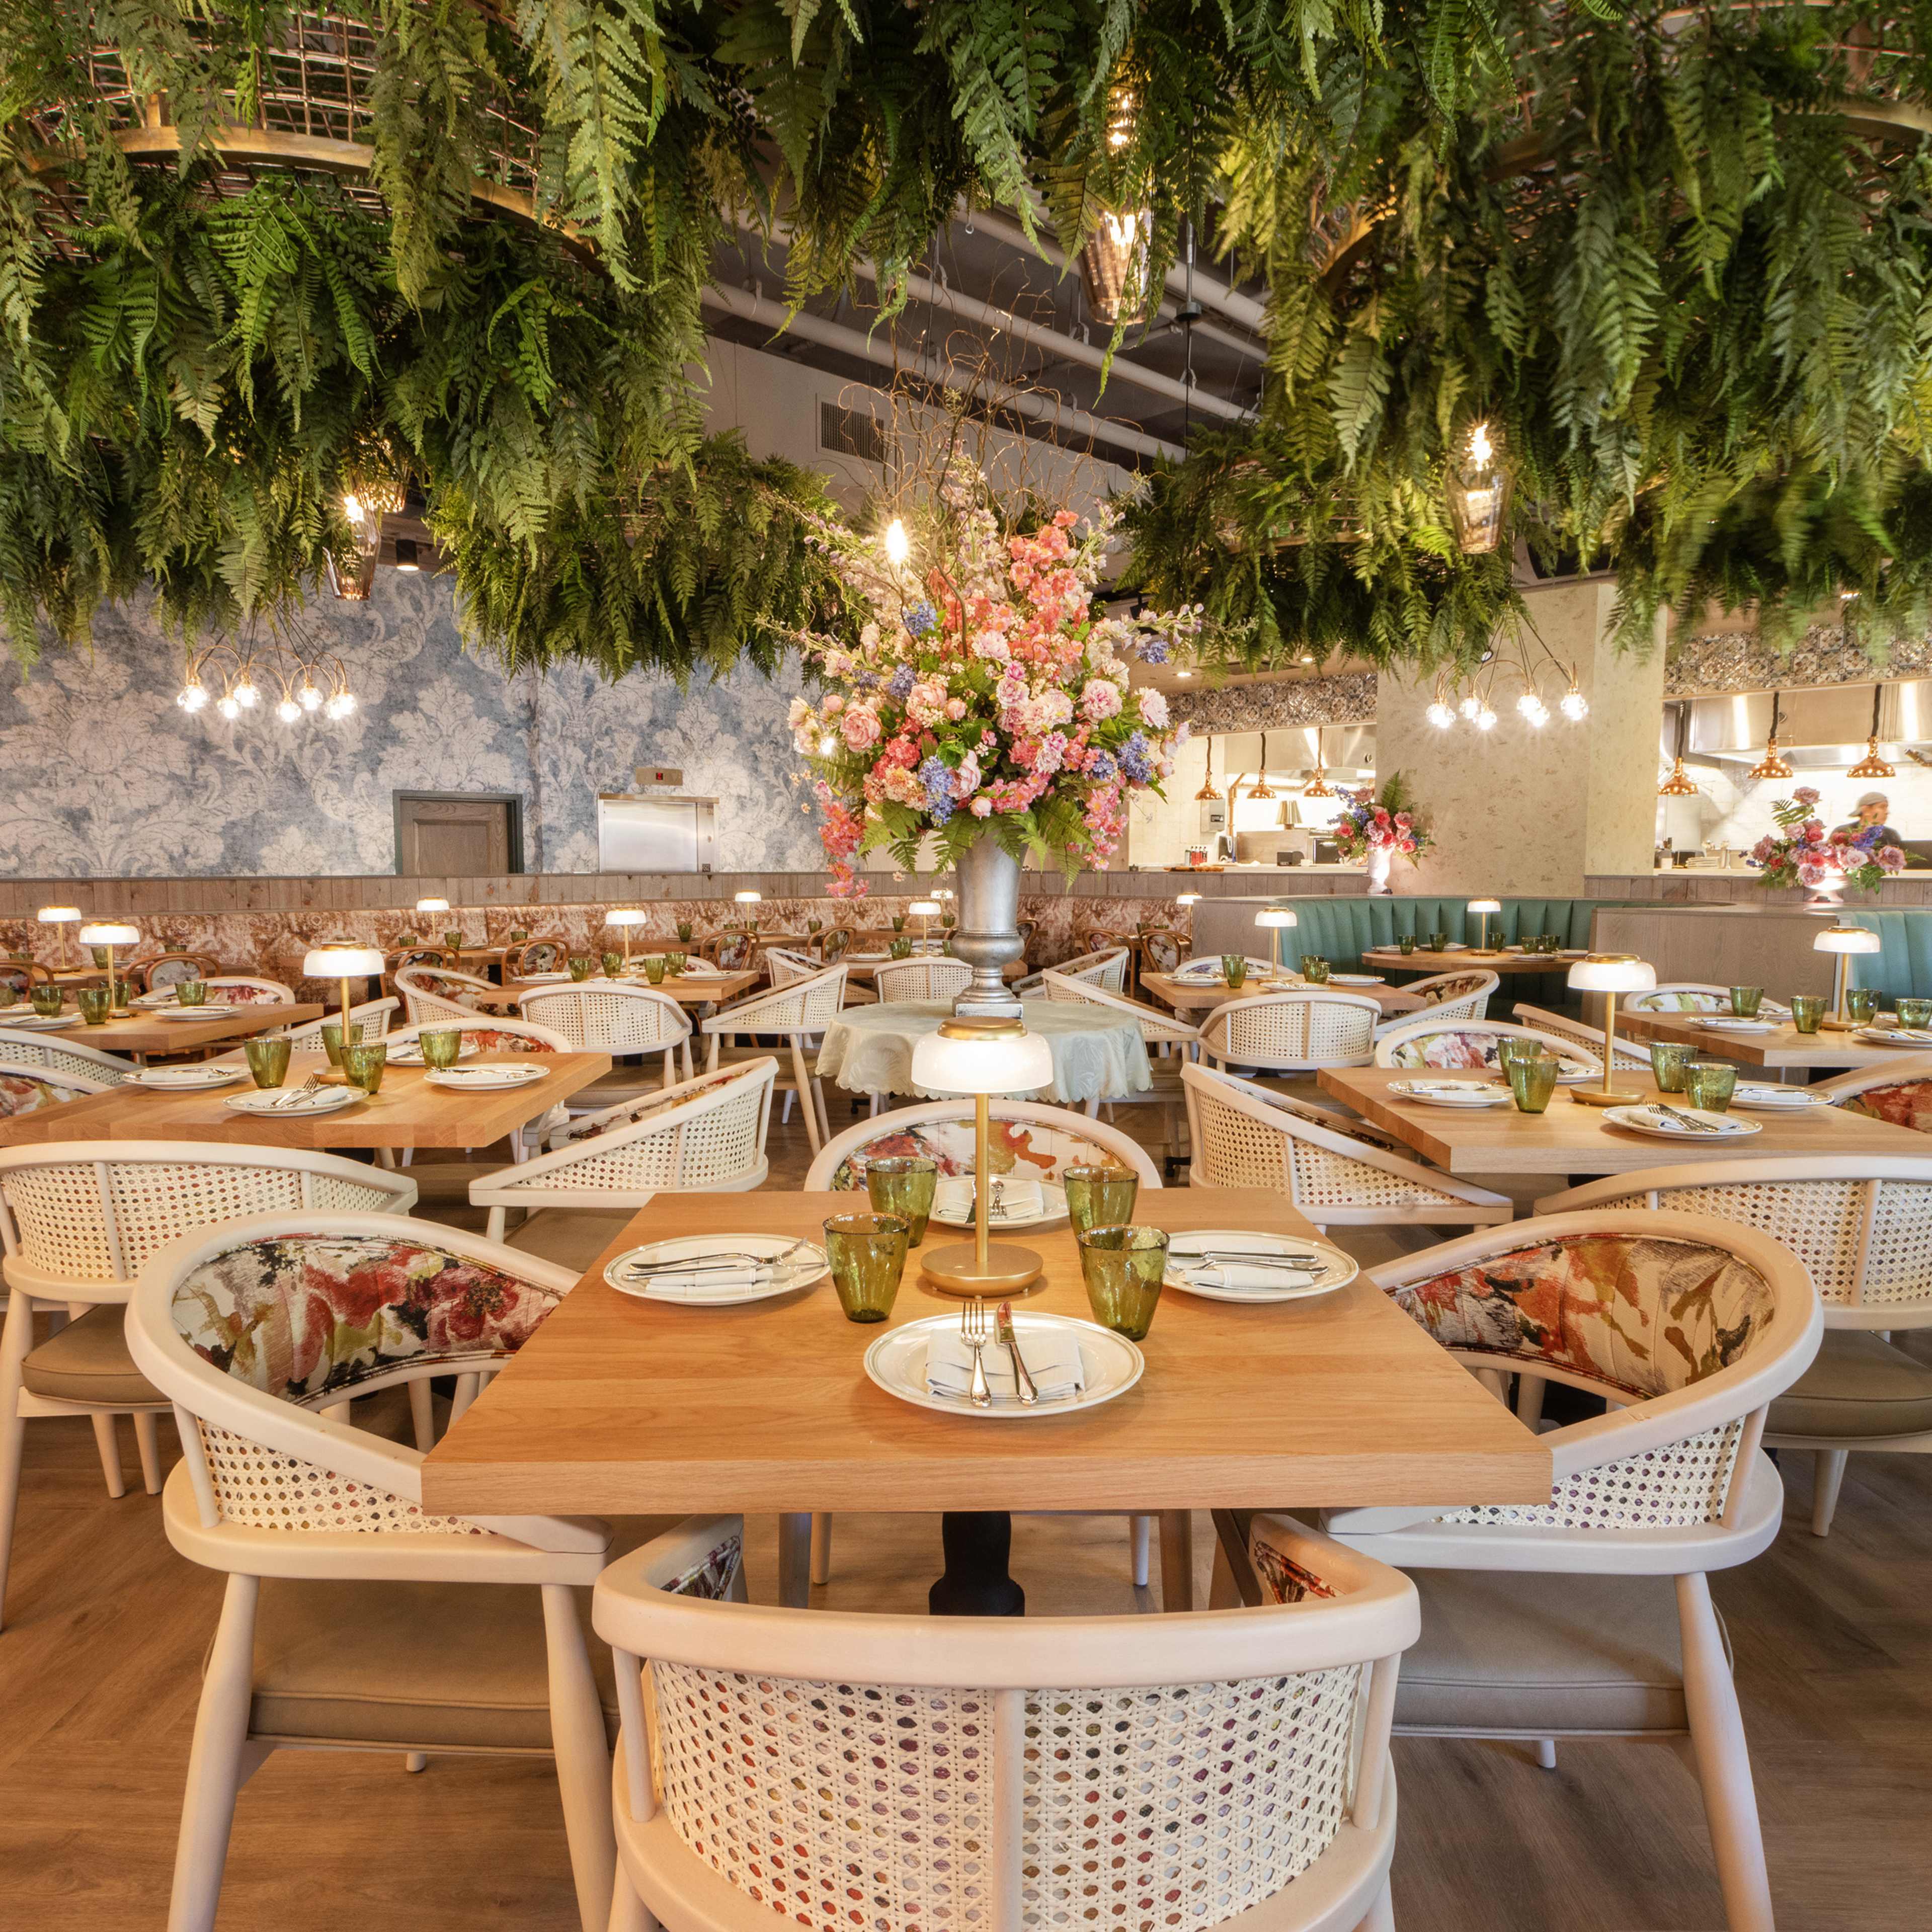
column 1479, row 492
column 1114, row 260
column 1773, row 764
column 1207, row 795
column 1677, row 785
column 1260, row 788
column 1871, row 766
column 1317, row 787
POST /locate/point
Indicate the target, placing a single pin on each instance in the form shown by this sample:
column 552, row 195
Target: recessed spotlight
column 1183, row 673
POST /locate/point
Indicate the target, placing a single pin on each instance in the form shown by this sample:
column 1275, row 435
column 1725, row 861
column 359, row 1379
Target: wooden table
column 1785, row 1047
column 1190, row 996
column 706, row 990
column 1383, row 957
column 619, row 1406
column 406, row 1113
column 143, row 1034
column 1571, row 1139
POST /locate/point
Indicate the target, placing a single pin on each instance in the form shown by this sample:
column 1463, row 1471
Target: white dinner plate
column 1722, row 1023
column 33, row 1022
column 203, row 1014
column 188, row 1079
column 1357, row 979
column 147, row 1001
column 323, row 1100
column 1764, row 1099
column 1661, row 1126
column 1110, row 1364
column 545, row 979
column 484, row 1079
column 1452, row 1093
column 1053, row 1212
column 410, row 1054
column 1916, row 1037
column 1332, row 1269
column 806, row 1266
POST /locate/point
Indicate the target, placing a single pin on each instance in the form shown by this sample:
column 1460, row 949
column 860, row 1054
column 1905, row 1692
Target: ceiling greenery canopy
column 1676, row 260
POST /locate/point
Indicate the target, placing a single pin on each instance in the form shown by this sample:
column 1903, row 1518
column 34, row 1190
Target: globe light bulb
column 1539, row 715
column 1470, row 706
column 309, row 698
column 1439, row 714
column 898, row 545
column 192, row 697
column 227, row 705
column 1485, row 718
column 1574, row 705
column 246, row 695
column 352, row 507
column 341, row 705
column 288, row 712
column 1528, row 703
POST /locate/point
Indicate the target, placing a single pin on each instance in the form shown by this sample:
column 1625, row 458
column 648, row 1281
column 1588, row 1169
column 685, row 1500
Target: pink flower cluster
column 1366, row 826
column 1801, row 852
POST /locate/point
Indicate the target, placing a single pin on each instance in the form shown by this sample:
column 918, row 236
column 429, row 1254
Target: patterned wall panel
column 106, row 778
column 1727, row 661
column 1275, row 707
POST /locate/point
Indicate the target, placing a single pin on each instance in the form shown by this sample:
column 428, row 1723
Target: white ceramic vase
column 1382, row 859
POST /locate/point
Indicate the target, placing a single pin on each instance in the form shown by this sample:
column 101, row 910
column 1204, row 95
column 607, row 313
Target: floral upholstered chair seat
column 1454, row 986
column 1678, row 1002
column 230, row 995
column 457, row 988
column 1448, row 1049
column 1163, row 951
column 836, row 941
column 1014, row 1146
column 1905, row 1103
column 307, row 1318
column 502, row 1039
column 733, row 953
column 24, row 1091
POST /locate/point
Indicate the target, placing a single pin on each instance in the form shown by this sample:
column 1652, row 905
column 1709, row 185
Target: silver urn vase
column 988, row 934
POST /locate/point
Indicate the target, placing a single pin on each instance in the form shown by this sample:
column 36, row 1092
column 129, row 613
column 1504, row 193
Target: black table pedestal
column 978, row 1543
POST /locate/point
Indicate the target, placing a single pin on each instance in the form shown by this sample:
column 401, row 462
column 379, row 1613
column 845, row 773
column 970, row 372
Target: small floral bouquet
column 983, row 689
column 1801, row 852
column 1366, row 826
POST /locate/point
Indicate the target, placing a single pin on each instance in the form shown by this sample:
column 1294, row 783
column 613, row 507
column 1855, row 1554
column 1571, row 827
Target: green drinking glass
column 1708, row 1084
column 1914, row 1013
column 867, row 1254
column 1438, row 942
column 1315, row 971
column 1100, row 1195
column 1234, row 969
column 100, row 956
column 454, row 941
column 1668, row 1059
column 902, row 1185
column 612, row 963
column 9, row 993
column 684, row 930
column 442, row 1046
column 363, row 1065
column 47, row 1001
column 518, row 934
column 898, row 923
column 269, row 1060
column 901, row 949
column 1860, row 1005
column 1508, row 1049
column 1745, row 1001
column 1122, row 1268
column 1405, row 944
column 95, row 1003
column 332, row 1038
column 191, row 992
column 1807, row 1011
column 674, row 963
column 579, row 966
column 654, row 968
column 1532, row 1081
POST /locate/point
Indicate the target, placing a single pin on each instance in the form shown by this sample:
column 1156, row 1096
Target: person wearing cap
column 1869, row 828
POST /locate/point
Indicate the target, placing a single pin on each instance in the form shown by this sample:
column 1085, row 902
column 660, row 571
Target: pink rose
column 1812, row 829
column 1100, row 699
column 1806, row 795
column 1810, row 875
column 1404, row 820
column 860, row 726
column 1892, row 858
column 956, row 709
column 982, row 807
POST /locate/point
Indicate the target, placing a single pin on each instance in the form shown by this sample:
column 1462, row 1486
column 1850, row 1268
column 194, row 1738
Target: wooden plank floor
column 99, row 1671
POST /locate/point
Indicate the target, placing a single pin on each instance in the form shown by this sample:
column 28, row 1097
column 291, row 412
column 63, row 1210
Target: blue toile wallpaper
column 107, row 777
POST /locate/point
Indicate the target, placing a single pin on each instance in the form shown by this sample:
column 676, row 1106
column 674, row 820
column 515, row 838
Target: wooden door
column 452, row 836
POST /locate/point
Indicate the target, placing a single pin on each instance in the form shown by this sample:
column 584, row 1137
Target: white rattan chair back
column 1690, row 996
column 372, row 1016
column 1431, row 1041
column 240, row 989
column 806, row 1006
column 26, row 1086
column 484, row 1033
column 1861, row 1224
column 1157, row 1028
column 706, row 1135
column 1707, row 1321
column 1588, row 1037
column 91, row 1213
column 608, row 1016
column 19, row 1046
column 1461, row 995
column 900, row 980
column 1244, row 1137
column 1899, row 1091
column 984, row 1746
column 1106, row 969
column 1286, row 1032
column 787, row 966
column 429, row 991
column 258, row 1328
column 1028, row 1137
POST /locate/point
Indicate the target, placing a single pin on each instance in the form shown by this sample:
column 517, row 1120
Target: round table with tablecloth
column 1096, row 1054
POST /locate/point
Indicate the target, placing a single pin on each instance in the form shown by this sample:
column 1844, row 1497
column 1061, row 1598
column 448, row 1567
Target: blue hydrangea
column 1153, row 648
column 921, row 619
column 1135, row 760
column 1099, row 767
column 900, row 684
column 937, row 778
column 866, row 679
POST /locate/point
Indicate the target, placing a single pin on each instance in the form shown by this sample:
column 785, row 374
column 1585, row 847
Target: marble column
column 1523, row 809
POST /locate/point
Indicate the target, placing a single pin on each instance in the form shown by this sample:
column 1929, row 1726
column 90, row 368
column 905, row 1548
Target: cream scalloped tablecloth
column 1096, row 1055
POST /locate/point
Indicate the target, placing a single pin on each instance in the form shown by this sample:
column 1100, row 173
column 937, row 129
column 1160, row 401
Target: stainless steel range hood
column 1819, row 729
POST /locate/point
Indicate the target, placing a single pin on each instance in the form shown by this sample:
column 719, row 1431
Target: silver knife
column 1690, row 1121
column 1003, row 1331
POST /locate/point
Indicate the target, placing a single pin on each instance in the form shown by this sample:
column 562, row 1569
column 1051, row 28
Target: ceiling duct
column 1821, row 729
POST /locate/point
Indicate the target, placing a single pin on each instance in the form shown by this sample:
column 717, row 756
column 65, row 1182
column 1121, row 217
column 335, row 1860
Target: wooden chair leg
column 821, row 1547
column 148, row 1440
column 1176, row 1561
column 628, row 1913
column 1724, row 1761
column 1826, row 1483
column 1141, row 1531
column 16, row 1342
column 1529, row 1399
column 468, row 1388
column 215, row 1765
column 1381, row 1914
column 422, row 1415
column 808, row 1105
column 493, row 1229
column 583, row 1758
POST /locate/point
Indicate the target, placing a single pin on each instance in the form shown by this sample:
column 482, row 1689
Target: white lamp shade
column 626, row 916
column 1833, row 939
column 59, row 915
column 432, row 905
column 1486, row 905
column 1012, row 1063
column 1275, row 915
column 110, row 935
column 747, row 898
column 1612, row 972
column 340, row 962
column 925, row 908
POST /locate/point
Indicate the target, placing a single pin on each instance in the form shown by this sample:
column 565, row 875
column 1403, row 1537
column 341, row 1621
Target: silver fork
column 976, row 1331
column 1688, row 1120
column 302, row 1092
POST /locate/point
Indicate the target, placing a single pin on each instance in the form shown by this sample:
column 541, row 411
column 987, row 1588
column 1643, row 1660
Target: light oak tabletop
column 1784, row 1047
column 706, row 990
column 407, row 1112
column 1572, row 1138
column 1190, row 996
column 620, row 1405
column 1422, row 961
column 143, row 1033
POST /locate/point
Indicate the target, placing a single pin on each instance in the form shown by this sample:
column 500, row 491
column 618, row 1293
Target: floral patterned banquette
column 1905, row 1103
column 1014, row 1147
column 23, row 1090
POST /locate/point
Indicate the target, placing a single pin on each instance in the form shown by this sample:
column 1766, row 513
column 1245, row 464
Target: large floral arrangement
column 1801, row 852
column 1366, row 825
column 984, row 688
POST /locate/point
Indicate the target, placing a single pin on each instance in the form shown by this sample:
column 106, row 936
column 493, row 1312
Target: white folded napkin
column 1013, row 1198
column 1052, row 1359
column 1796, row 1098
column 703, row 1285
column 1239, row 1275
